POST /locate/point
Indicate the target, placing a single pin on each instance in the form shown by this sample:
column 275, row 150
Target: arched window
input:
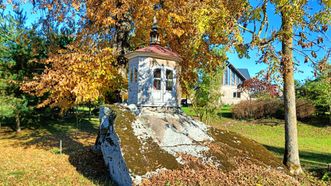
column 131, row 75
column 157, row 79
column 135, row 75
column 169, row 80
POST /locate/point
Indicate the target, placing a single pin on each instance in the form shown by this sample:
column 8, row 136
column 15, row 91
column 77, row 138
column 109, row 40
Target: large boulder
column 138, row 144
column 109, row 144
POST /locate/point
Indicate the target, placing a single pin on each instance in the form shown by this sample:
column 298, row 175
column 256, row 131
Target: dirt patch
column 247, row 173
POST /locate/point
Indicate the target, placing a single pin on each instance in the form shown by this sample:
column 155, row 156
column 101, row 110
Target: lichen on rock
column 173, row 132
column 140, row 143
column 108, row 143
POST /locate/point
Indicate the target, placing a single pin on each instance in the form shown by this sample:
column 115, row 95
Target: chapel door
column 163, row 92
column 169, row 87
column 157, row 89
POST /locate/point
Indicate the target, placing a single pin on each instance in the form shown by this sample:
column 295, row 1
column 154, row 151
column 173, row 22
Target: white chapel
column 153, row 74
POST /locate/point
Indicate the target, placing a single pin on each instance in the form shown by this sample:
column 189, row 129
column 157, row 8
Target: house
column 232, row 77
column 153, row 74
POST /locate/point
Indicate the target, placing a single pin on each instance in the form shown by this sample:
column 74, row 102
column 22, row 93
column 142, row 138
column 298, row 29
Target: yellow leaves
column 202, row 19
column 239, row 38
column 178, row 32
column 77, row 76
column 76, row 5
column 176, row 18
column 327, row 3
column 108, row 21
column 87, row 68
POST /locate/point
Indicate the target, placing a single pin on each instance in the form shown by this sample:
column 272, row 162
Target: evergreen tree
column 18, row 46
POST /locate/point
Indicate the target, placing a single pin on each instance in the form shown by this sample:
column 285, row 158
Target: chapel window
column 169, row 79
column 135, row 75
column 131, row 75
column 157, row 79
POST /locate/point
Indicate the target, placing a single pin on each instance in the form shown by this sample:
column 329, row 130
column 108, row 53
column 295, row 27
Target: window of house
column 169, row 79
column 226, row 75
column 238, row 81
column 157, row 79
column 236, row 94
column 135, row 75
column 233, row 75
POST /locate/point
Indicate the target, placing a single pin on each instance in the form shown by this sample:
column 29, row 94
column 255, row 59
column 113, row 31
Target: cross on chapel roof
column 154, row 35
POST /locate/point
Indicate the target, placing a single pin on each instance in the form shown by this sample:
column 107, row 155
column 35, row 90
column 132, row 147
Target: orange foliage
column 76, row 76
column 187, row 27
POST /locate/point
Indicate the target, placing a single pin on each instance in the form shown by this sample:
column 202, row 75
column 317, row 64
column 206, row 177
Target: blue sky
column 305, row 69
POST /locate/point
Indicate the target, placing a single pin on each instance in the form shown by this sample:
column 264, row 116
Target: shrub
column 305, row 108
column 256, row 109
column 264, row 108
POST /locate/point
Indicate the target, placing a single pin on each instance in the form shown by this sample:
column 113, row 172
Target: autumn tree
column 93, row 64
column 76, row 76
column 259, row 88
column 303, row 27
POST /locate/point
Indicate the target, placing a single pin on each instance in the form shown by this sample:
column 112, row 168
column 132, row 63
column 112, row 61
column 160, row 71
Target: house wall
column 231, row 80
column 227, row 95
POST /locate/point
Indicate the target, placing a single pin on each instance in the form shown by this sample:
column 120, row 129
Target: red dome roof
column 157, row 49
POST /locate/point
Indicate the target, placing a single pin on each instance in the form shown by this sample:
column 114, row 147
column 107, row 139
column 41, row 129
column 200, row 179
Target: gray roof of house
column 244, row 72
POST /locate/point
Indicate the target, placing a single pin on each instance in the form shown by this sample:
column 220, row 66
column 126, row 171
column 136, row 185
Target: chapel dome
column 159, row 50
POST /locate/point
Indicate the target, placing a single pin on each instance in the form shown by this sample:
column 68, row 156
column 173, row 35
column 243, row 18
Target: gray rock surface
column 171, row 130
column 108, row 143
column 134, row 109
column 136, row 147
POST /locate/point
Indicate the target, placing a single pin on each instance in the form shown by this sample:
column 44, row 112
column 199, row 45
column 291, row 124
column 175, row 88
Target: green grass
column 225, row 111
column 314, row 141
column 189, row 111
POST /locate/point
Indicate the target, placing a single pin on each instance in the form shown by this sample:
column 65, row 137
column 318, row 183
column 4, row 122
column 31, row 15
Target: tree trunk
column 18, row 122
column 291, row 154
column 89, row 111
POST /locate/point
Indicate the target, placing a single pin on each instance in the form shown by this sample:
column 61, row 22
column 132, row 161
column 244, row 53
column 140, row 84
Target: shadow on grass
column 77, row 140
column 318, row 121
column 224, row 114
column 308, row 159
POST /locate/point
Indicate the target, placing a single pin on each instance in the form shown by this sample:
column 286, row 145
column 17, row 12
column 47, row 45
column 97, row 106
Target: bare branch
column 305, row 55
column 246, row 29
column 265, row 17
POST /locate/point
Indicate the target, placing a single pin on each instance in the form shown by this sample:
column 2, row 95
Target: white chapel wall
column 133, row 81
